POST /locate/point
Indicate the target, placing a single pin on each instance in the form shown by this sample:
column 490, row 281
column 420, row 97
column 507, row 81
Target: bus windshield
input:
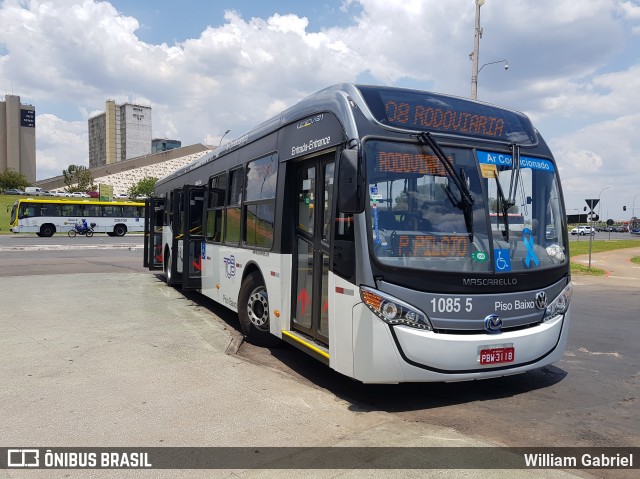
column 417, row 222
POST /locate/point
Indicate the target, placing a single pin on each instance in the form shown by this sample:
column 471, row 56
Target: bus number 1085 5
column 451, row 305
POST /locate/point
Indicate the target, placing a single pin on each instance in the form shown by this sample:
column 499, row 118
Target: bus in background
column 634, row 226
column 356, row 227
column 45, row 217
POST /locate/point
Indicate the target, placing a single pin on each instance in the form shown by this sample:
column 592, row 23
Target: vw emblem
column 493, row 324
column 541, row 300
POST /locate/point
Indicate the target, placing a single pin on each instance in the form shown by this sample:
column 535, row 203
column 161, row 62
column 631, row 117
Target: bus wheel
column 253, row 311
column 47, row 230
column 168, row 274
column 119, row 230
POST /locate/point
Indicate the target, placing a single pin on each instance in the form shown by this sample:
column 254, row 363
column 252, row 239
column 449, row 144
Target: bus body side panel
column 211, row 278
column 343, row 296
column 375, row 356
column 225, row 267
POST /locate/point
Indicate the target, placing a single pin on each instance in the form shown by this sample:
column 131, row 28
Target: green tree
column 493, row 207
column 144, row 187
column 78, row 178
column 10, row 178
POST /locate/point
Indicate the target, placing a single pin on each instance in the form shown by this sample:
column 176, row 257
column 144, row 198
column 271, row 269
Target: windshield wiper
column 515, row 174
column 460, row 180
column 507, row 203
column 503, row 207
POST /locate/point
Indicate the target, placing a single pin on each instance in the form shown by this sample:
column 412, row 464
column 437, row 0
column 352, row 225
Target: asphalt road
column 590, row 398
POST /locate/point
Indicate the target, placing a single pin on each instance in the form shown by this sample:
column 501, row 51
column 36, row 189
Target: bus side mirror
column 351, row 183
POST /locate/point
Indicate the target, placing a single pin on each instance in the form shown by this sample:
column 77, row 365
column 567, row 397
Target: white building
column 18, row 137
column 120, row 133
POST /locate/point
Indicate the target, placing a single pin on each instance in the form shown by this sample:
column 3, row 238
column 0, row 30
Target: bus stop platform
column 121, row 360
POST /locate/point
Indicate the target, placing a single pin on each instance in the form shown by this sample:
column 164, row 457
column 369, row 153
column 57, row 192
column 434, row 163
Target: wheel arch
column 249, row 268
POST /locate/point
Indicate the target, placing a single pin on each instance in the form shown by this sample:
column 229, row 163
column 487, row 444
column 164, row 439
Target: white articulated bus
column 45, row 217
column 357, row 226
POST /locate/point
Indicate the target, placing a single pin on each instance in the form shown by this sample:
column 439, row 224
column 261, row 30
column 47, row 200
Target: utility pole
column 476, row 51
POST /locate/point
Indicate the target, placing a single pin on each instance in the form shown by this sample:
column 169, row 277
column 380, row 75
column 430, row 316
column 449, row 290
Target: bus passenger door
column 174, row 260
column 193, row 241
column 153, row 224
column 314, row 199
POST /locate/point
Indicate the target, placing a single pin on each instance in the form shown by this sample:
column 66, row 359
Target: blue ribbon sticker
column 528, row 243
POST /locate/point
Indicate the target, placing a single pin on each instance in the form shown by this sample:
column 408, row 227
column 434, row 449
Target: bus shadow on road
column 412, row 396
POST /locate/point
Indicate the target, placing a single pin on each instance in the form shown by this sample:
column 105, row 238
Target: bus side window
column 232, row 227
column 344, row 250
column 28, row 211
column 50, row 210
column 215, row 208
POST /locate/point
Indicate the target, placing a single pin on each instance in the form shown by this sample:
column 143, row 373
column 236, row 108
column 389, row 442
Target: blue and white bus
column 357, row 226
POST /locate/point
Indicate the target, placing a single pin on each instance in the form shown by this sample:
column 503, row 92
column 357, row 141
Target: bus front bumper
column 423, row 356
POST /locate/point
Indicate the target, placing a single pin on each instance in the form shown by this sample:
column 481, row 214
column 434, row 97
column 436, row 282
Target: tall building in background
column 120, row 133
column 18, row 137
column 162, row 144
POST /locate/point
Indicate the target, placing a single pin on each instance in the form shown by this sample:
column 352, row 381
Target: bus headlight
column 392, row 310
column 558, row 306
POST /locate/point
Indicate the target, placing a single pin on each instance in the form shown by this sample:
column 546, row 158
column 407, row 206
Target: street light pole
column 600, row 203
column 476, row 52
column 225, row 134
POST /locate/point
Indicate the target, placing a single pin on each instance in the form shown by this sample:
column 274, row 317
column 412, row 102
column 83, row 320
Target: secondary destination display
column 400, row 162
column 424, row 111
column 423, row 246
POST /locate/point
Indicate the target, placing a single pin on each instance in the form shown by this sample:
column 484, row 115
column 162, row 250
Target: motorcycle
column 79, row 229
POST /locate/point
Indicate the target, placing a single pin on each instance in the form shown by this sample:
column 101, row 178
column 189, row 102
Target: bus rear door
column 193, row 239
column 153, row 223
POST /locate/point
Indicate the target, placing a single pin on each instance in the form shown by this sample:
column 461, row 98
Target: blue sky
column 206, row 67
column 175, row 21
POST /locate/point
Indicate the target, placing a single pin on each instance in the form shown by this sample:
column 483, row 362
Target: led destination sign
column 428, row 118
column 424, row 246
column 410, row 163
column 424, row 111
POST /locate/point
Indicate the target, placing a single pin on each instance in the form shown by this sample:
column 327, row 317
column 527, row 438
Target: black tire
column 119, row 230
column 253, row 311
column 39, row 234
column 168, row 273
column 110, row 233
column 72, row 233
column 47, row 230
column 89, row 233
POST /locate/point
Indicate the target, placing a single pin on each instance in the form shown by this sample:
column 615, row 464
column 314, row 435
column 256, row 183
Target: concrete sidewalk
column 111, row 360
column 617, row 263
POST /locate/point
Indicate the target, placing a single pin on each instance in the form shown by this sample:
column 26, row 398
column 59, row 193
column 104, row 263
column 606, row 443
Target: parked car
column 583, row 230
column 14, row 191
column 93, row 194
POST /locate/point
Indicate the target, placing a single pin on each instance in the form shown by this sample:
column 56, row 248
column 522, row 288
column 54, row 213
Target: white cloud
column 570, row 70
column 59, row 144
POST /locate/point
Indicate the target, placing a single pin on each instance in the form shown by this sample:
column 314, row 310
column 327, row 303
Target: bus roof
column 424, row 111
column 73, row 201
